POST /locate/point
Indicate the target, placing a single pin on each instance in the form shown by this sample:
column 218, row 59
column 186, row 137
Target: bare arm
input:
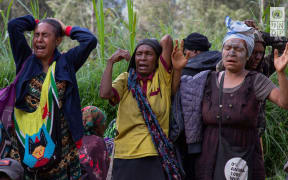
column 179, row 62
column 106, row 81
column 280, row 96
column 167, row 46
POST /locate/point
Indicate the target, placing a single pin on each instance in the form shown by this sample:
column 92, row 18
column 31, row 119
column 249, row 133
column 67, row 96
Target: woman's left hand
column 281, row 62
column 178, row 59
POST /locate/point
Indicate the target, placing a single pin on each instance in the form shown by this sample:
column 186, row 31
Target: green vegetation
column 117, row 26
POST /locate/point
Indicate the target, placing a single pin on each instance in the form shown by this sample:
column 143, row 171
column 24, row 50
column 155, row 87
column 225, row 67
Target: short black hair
column 196, row 41
column 56, row 26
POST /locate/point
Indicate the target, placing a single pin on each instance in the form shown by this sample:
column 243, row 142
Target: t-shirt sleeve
column 263, row 86
column 119, row 86
column 165, row 72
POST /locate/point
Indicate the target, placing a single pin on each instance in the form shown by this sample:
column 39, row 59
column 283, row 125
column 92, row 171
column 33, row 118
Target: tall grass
column 132, row 18
column 7, row 69
column 276, row 137
column 121, row 34
column 99, row 14
column 5, row 52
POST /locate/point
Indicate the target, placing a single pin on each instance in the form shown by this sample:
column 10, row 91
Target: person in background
column 11, row 169
column 93, row 155
column 200, row 58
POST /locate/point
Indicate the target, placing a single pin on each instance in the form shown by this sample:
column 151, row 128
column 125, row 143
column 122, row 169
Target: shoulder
column 123, row 75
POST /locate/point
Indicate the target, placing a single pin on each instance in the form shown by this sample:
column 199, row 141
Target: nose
column 39, row 38
column 259, row 56
column 231, row 52
column 143, row 57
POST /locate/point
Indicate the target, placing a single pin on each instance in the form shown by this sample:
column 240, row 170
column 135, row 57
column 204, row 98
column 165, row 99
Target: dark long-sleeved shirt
column 66, row 67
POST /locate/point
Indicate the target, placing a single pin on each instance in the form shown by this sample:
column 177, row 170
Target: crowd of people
column 184, row 112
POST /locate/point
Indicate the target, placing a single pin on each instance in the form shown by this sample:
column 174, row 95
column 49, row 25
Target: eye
column 227, row 47
column 139, row 53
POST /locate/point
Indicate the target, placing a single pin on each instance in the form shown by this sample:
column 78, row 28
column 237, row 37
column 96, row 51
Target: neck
column 45, row 64
column 233, row 79
column 235, row 74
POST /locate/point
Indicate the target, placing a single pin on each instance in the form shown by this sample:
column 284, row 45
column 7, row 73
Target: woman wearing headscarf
column 93, row 154
column 225, row 110
column 47, row 116
column 142, row 149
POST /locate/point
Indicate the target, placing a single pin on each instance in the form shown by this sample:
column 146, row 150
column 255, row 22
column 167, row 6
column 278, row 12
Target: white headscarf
column 237, row 29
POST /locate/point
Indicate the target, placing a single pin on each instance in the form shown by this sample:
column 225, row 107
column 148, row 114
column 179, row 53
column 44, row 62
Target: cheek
column 153, row 62
column 225, row 53
column 242, row 56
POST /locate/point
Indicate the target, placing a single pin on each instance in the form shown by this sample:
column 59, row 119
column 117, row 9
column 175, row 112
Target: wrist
column 68, row 30
column 177, row 70
column 110, row 62
column 281, row 73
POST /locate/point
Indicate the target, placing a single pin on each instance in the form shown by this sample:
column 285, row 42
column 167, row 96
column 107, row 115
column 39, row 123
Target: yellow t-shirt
column 134, row 139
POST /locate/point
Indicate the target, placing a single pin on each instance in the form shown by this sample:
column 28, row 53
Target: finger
column 276, row 54
column 187, row 55
column 127, row 57
column 174, row 52
column 176, row 45
column 286, row 49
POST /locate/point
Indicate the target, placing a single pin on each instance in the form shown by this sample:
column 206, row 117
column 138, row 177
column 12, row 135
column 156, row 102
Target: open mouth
column 40, row 47
column 142, row 67
column 230, row 61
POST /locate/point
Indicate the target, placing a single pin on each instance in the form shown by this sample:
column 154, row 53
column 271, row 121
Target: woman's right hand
column 61, row 23
column 119, row 55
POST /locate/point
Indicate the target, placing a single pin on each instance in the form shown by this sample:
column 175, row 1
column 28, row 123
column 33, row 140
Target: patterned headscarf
column 239, row 30
column 93, row 120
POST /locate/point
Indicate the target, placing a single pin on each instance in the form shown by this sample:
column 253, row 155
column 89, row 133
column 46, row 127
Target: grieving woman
column 142, row 149
column 222, row 116
column 47, row 115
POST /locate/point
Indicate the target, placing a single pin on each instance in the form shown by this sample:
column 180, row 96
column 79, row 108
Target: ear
column 58, row 41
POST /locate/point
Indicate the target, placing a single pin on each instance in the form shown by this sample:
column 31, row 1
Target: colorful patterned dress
column 69, row 165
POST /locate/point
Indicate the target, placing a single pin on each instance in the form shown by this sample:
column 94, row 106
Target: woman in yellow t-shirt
column 142, row 149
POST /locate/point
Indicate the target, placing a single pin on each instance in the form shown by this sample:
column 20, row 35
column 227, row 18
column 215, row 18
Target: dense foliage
column 124, row 25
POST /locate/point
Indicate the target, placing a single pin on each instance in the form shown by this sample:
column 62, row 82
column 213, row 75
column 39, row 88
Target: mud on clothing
column 239, row 123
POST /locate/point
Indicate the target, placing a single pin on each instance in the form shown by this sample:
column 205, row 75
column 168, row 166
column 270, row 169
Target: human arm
column 20, row 48
column 179, row 61
column 87, row 42
column 106, row 91
column 279, row 95
column 167, row 46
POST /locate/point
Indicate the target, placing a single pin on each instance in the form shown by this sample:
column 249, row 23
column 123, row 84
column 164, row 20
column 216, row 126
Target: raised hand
column 178, row 59
column 61, row 23
column 281, row 62
column 119, row 55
